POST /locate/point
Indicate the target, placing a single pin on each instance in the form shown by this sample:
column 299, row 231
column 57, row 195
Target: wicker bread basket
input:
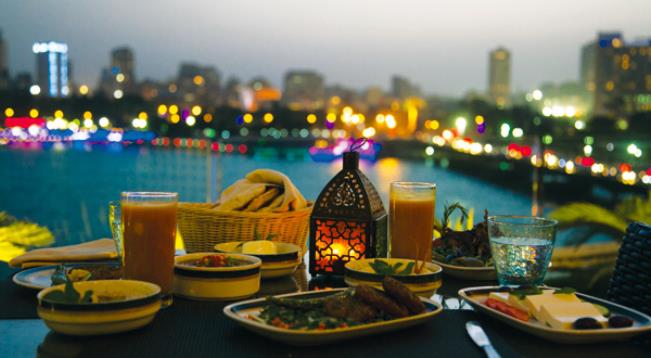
column 203, row 227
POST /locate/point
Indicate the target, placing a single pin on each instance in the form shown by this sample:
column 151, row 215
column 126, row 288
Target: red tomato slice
column 507, row 309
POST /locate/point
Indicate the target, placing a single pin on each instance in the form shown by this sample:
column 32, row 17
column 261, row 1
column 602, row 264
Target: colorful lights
column 368, row 132
column 579, row 125
column 537, row 95
column 161, row 110
column 139, row 123
column 119, row 78
column 196, row 110
column 268, row 118
column 104, row 122
column 429, row 150
column 175, row 118
column 198, row 80
column 247, row 118
column 547, row 139
column 479, row 120
column 58, row 113
column 9, row 112
column 331, row 118
column 311, row 118
column 208, row 117
column 118, row 94
column 517, row 132
column 390, row 121
column 634, row 150
column 33, row 113
column 87, row 115
column 143, row 116
column 35, row 90
column 190, row 121
column 460, row 124
column 505, row 129
column 83, row 90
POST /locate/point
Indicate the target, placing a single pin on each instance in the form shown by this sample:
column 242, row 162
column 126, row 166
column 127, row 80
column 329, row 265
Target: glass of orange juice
column 411, row 219
column 148, row 225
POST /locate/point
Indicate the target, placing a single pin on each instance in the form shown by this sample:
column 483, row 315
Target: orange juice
column 149, row 236
column 411, row 223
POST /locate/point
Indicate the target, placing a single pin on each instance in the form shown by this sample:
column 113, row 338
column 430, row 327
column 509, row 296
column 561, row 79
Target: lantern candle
column 348, row 221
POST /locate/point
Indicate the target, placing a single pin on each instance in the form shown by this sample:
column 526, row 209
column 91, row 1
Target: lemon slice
column 261, row 247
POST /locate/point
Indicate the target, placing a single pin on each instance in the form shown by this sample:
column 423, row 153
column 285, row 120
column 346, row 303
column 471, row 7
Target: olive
column 586, row 323
column 619, row 322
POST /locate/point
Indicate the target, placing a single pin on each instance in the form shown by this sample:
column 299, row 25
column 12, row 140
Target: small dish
column 470, row 273
column 283, row 263
column 241, row 311
column 38, row 278
column 476, row 297
column 216, row 283
column 137, row 309
column 423, row 284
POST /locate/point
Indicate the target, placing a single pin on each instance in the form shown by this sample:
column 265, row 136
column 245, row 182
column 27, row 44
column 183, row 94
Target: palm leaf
column 635, row 208
column 595, row 217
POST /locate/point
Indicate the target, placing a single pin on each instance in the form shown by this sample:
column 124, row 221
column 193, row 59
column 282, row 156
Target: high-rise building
column 303, row 90
column 4, row 67
column 588, row 58
column 52, row 68
column 402, row 88
column 198, row 84
column 499, row 76
column 123, row 69
column 622, row 75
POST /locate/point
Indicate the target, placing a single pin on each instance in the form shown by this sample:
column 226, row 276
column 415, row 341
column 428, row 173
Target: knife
column 481, row 339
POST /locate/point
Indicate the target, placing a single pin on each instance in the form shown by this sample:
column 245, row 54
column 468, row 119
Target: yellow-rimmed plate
column 476, row 297
column 484, row 273
column 281, row 264
column 139, row 301
column 240, row 312
column 423, row 284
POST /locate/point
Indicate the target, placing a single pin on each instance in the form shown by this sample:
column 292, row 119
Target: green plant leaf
column 408, row 269
column 564, row 290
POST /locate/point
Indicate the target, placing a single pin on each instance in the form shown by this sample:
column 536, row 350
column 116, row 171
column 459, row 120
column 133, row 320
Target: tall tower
column 4, row 67
column 499, row 76
column 52, row 68
column 123, row 69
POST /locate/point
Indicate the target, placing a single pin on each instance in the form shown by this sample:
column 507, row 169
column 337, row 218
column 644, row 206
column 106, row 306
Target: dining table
column 191, row 328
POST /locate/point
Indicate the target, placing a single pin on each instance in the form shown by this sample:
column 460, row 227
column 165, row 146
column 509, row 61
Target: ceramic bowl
column 216, row 283
column 283, row 263
column 469, row 272
column 141, row 301
column 423, row 284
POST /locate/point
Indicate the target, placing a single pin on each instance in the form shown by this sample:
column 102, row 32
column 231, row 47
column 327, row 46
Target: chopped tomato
column 507, row 309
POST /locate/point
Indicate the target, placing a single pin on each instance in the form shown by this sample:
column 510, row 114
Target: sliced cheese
column 534, row 302
column 518, row 303
column 562, row 315
column 500, row 296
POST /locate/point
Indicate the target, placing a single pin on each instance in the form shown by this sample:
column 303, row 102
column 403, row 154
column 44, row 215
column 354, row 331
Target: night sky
column 443, row 46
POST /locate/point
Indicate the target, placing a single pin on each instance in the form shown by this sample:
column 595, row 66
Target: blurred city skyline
column 442, row 48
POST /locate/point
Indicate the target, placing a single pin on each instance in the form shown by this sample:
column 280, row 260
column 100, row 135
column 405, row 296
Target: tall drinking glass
column 411, row 219
column 148, row 237
column 522, row 248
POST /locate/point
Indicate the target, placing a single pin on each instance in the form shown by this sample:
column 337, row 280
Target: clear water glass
column 522, row 248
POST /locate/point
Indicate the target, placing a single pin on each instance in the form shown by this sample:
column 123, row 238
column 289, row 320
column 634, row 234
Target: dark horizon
column 353, row 45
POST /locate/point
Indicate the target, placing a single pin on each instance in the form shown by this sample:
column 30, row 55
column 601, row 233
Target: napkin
column 259, row 190
column 292, row 198
column 102, row 249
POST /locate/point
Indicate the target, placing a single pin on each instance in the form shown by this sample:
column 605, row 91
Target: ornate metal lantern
column 348, row 221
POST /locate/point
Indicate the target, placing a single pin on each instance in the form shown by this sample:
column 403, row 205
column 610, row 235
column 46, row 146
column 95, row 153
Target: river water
column 67, row 188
